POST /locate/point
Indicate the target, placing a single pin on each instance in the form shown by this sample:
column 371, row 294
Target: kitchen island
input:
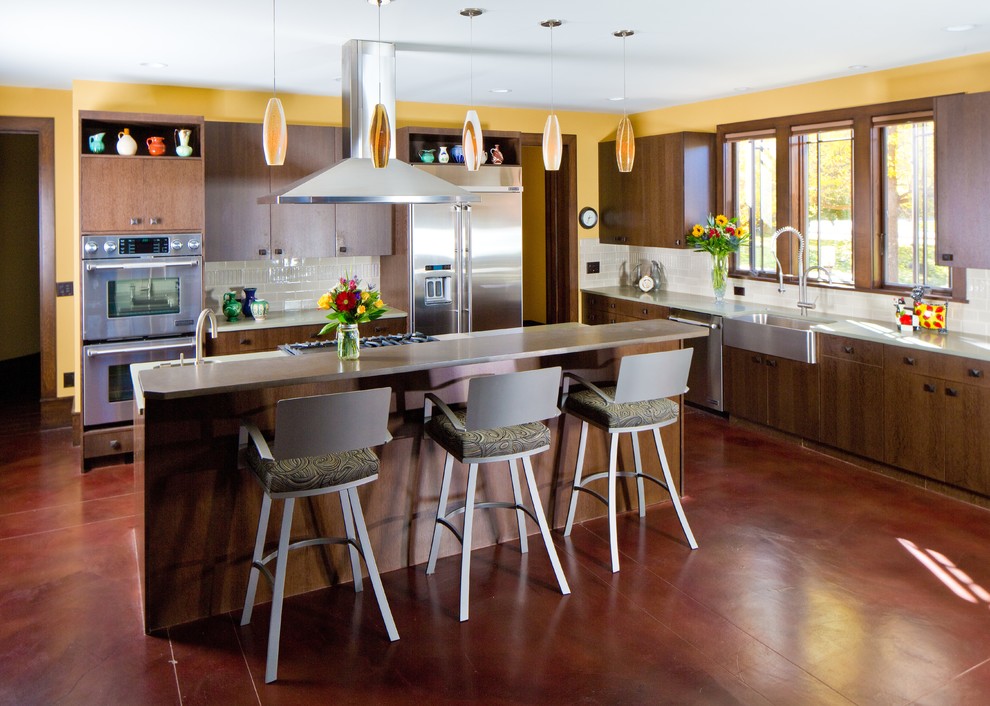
column 198, row 510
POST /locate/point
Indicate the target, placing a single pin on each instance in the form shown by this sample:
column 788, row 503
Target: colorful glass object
column 276, row 134
column 381, row 137
column 472, row 141
column 625, row 145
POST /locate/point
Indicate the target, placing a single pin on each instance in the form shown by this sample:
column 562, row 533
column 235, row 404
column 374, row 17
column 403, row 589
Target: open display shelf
column 412, row 140
column 141, row 128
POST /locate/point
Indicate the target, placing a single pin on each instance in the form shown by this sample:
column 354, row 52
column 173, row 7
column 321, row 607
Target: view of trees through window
column 826, row 198
column 755, row 163
column 908, row 212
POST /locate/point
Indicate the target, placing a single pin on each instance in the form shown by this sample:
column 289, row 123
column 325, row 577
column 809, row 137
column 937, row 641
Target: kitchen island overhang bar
column 198, row 511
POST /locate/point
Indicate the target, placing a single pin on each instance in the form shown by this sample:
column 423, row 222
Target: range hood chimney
column 369, row 69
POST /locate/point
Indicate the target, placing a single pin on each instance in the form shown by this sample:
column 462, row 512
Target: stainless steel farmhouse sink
column 773, row 334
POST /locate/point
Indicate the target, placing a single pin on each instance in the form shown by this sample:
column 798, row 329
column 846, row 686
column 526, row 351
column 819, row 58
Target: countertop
column 280, row 319
column 951, row 343
column 255, row 370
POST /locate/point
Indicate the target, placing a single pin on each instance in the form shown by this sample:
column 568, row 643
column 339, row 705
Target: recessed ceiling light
column 617, row 99
column 959, row 28
column 154, row 65
column 500, row 90
column 857, row 67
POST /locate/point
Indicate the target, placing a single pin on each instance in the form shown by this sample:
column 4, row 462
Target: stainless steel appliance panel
column 494, row 256
column 435, row 268
column 107, row 387
column 705, row 379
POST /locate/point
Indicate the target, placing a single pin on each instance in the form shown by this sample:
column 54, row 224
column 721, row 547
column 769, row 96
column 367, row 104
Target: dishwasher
column 705, row 380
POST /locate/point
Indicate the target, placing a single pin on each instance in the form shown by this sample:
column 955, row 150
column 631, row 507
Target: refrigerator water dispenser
column 437, row 290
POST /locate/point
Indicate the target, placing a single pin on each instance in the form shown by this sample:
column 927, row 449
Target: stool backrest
column 323, row 424
column 650, row 376
column 512, row 398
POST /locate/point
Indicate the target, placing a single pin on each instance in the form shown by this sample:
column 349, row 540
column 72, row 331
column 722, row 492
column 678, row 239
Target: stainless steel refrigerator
column 466, row 259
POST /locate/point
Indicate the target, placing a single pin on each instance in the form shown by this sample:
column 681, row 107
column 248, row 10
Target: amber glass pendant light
column 625, row 141
column 380, row 138
column 275, row 135
column 553, row 147
column 472, row 141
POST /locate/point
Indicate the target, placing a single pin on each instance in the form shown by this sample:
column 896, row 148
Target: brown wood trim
column 44, row 128
column 854, row 112
column 866, row 256
column 56, row 412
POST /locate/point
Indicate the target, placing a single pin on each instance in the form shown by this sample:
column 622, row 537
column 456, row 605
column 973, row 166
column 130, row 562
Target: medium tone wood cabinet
column 962, row 161
column 598, row 309
column 256, row 340
column 852, row 395
column 239, row 228
column 670, row 188
column 139, row 193
column 781, row 393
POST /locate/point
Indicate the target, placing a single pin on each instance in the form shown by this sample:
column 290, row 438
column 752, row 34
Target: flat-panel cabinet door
column 745, row 384
column 304, row 230
column 793, row 397
column 914, row 423
column 852, row 407
column 967, row 445
column 237, row 226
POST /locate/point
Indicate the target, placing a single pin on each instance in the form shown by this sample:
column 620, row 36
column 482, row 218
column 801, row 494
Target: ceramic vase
column 248, row 298
column 443, row 157
column 182, row 146
column 126, row 145
column 156, row 146
column 231, row 307
column 96, row 145
column 348, row 342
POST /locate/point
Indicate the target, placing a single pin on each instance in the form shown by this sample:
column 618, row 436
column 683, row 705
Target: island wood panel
column 200, row 511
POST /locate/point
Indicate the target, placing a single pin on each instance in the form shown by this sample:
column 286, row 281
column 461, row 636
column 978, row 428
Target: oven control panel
column 101, row 247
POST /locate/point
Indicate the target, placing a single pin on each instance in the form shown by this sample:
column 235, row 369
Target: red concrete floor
column 803, row 592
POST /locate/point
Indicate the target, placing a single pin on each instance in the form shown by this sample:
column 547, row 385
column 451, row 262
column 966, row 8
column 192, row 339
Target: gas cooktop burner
column 392, row 339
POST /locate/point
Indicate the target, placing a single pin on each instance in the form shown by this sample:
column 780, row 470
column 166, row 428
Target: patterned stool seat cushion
column 590, row 406
column 486, row 443
column 312, row 472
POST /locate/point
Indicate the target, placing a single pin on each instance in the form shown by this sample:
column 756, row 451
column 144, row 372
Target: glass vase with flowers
column 719, row 237
column 349, row 306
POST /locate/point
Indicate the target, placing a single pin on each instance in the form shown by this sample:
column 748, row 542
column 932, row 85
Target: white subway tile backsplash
column 688, row 272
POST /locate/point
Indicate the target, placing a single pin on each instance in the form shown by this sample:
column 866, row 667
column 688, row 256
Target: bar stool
column 502, row 422
column 322, row 445
column 637, row 402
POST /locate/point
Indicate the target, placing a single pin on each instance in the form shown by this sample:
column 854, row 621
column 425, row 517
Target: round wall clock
column 588, row 217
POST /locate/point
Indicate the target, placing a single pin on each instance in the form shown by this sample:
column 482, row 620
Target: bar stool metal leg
column 369, row 559
column 613, row 540
column 577, row 479
column 520, row 513
column 345, row 508
column 466, row 540
column 640, row 492
column 673, row 492
column 448, row 467
column 278, row 591
column 541, row 520
column 259, row 548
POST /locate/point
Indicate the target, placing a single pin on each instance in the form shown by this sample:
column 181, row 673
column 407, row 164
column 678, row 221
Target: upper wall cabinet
column 158, row 188
column 239, row 228
column 962, row 171
column 670, row 188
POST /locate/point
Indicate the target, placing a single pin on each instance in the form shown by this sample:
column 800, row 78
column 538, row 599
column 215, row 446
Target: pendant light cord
column 274, row 52
column 623, row 75
column 379, row 3
column 551, row 68
column 471, row 61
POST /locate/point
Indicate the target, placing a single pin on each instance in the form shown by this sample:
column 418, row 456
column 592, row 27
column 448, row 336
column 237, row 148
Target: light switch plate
column 594, row 268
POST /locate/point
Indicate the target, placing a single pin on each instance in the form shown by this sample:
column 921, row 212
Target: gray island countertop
column 236, row 373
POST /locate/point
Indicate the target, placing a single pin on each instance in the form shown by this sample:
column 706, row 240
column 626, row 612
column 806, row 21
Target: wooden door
column 852, row 407
column 745, row 384
column 173, row 192
column 914, row 423
column 967, row 444
column 237, row 226
column 793, row 397
column 304, row 230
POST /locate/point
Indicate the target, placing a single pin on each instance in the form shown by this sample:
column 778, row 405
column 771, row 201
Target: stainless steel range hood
column 369, row 78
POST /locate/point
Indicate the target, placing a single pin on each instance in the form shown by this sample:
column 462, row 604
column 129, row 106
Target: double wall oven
column 141, row 295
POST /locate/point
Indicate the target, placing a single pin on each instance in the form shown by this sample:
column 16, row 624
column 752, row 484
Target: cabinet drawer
column 108, row 442
column 911, row 361
column 628, row 308
column 967, row 370
column 866, row 352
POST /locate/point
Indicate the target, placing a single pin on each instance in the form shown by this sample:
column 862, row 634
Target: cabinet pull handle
column 135, row 221
column 645, row 311
column 343, row 248
column 262, row 251
column 908, row 360
column 951, row 393
column 155, row 221
column 847, row 349
column 756, row 359
column 771, row 362
column 611, row 305
column 929, row 387
column 115, row 444
column 677, row 242
column 245, row 341
column 277, row 251
column 975, row 373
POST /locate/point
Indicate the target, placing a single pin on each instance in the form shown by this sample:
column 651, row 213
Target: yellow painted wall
column 534, row 236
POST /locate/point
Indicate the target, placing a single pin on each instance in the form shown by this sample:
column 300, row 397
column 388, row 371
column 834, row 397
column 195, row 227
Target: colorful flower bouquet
column 349, row 306
column 720, row 237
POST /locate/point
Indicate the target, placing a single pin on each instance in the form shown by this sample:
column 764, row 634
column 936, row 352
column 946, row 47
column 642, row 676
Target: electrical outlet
column 594, row 268
column 68, row 380
column 63, row 289
column 739, row 291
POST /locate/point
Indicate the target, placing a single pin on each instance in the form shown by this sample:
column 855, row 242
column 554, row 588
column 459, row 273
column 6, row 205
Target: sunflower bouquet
column 349, row 304
column 719, row 236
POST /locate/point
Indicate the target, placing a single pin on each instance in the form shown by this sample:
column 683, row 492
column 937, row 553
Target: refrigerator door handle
column 458, row 267
column 466, row 268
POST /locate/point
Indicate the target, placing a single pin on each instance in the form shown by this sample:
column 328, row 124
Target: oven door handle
column 140, row 265
column 92, row 352
column 691, row 322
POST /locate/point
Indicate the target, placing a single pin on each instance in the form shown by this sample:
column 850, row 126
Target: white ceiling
column 682, row 51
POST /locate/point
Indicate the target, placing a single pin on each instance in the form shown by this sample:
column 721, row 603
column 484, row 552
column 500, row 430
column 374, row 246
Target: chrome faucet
column 204, row 316
column 803, row 270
